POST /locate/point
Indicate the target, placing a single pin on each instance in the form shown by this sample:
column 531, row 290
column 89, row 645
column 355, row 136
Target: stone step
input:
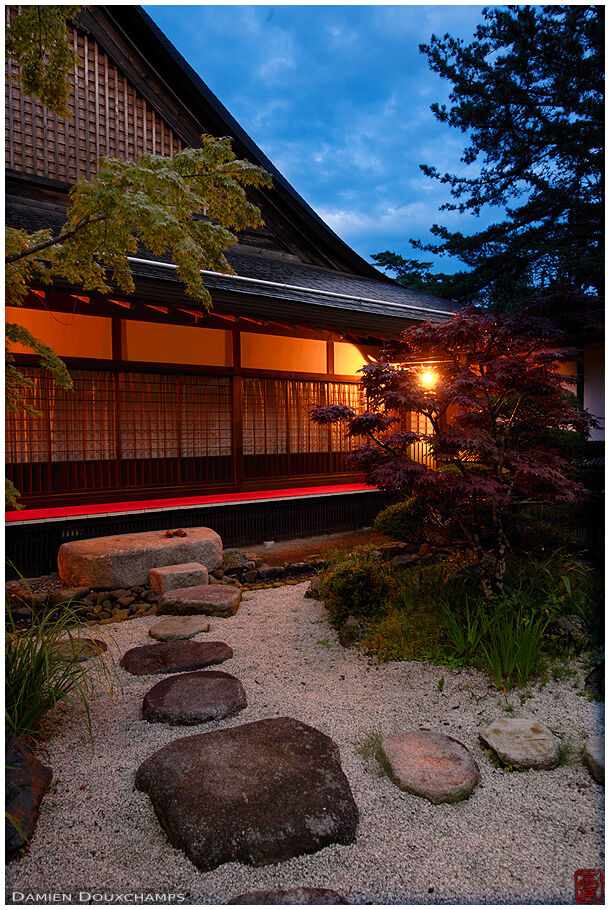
column 209, row 600
column 185, row 575
column 428, row 764
column 257, row 793
column 175, row 628
column 194, row 698
column 174, row 657
column 522, row 743
column 124, row 560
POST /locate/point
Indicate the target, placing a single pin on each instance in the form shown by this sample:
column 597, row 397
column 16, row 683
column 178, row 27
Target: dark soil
column 316, row 547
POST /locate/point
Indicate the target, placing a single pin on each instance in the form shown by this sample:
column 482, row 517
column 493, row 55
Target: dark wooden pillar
column 236, row 412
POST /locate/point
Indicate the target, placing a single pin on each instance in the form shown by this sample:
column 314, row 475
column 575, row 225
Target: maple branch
column 53, row 241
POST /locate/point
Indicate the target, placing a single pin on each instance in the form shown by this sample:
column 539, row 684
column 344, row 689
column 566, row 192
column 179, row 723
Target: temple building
column 179, row 417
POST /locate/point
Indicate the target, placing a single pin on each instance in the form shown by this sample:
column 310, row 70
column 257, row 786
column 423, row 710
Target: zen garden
column 304, row 578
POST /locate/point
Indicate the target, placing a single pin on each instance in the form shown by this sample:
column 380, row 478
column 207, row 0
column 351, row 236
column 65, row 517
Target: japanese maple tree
column 489, row 388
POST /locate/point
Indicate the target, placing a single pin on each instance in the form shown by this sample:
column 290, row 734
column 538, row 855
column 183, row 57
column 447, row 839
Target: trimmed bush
column 403, row 520
column 360, row 586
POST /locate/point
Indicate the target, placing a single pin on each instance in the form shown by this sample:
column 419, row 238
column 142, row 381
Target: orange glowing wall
column 349, row 358
column 153, row 342
column 69, row 334
column 282, row 353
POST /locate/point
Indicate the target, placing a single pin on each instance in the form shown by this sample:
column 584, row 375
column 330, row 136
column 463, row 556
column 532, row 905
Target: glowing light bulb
column 428, row 378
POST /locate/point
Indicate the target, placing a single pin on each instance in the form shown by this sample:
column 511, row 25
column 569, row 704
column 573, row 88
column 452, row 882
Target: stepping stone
column 431, row 765
column 594, row 757
column 291, row 896
column 258, row 793
column 209, row 600
column 26, row 782
column 80, row 648
column 522, row 743
column 176, row 627
column 187, row 575
column 174, row 657
column 124, row 560
column 194, row 698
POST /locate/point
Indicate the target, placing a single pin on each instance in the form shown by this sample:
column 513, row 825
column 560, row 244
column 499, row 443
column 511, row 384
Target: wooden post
column 236, row 413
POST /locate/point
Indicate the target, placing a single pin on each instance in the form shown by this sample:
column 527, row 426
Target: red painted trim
column 213, row 499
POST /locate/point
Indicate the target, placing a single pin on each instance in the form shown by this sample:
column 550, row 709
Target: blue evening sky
column 338, row 97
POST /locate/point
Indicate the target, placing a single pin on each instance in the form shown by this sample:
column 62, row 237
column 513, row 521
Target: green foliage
column 465, row 631
column 402, row 520
column 511, row 645
column 158, row 201
column 414, row 275
column 40, row 676
column 38, row 42
column 361, row 586
column 11, row 495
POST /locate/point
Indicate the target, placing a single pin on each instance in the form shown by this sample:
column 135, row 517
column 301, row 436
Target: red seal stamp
column 589, row 886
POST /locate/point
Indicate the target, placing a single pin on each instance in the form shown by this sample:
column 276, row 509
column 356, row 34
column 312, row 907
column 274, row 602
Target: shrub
column 403, row 520
column 361, row 586
column 40, row 675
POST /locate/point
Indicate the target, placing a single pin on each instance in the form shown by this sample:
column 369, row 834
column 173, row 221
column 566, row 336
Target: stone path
column 522, row 743
column 259, row 793
column 194, row 698
column 174, row 657
column 431, row 765
column 179, row 627
column 212, row 600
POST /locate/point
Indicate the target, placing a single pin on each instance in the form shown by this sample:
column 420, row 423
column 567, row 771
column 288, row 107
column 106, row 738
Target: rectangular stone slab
column 126, row 559
column 210, row 600
column 186, row 575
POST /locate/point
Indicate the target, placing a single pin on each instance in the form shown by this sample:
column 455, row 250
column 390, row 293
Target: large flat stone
column 187, row 575
column 174, row 657
column 257, row 793
column 209, row 600
column 431, row 765
column 175, row 628
column 125, row 560
column 194, row 698
column 522, row 743
column 26, row 781
column 594, row 756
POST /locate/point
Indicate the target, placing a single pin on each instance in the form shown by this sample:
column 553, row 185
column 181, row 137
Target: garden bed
column 519, row 838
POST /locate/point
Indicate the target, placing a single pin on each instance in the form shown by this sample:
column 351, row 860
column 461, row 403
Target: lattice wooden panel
column 109, row 118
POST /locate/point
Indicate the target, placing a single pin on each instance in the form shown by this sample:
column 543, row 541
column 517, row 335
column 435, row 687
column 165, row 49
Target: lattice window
column 155, row 416
column 276, row 417
column 83, row 421
column 264, row 416
column 28, row 438
column 205, row 416
column 352, row 395
column 303, row 434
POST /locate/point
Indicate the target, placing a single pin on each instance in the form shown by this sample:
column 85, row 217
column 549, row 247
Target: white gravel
column 518, row 839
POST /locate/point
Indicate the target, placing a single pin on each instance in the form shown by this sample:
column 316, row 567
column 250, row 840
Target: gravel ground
column 518, row 839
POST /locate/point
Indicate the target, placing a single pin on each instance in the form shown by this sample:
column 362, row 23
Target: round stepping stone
column 291, row 896
column 211, row 600
column 80, row 648
column 258, row 793
column 194, row 698
column 431, row 765
column 174, row 657
column 522, row 743
column 176, row 627
column 594, row 757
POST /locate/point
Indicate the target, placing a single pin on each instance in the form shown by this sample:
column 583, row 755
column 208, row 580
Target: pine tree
column 528, row 92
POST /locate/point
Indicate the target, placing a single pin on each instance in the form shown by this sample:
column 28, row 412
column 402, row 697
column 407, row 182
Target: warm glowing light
column 428, row 379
